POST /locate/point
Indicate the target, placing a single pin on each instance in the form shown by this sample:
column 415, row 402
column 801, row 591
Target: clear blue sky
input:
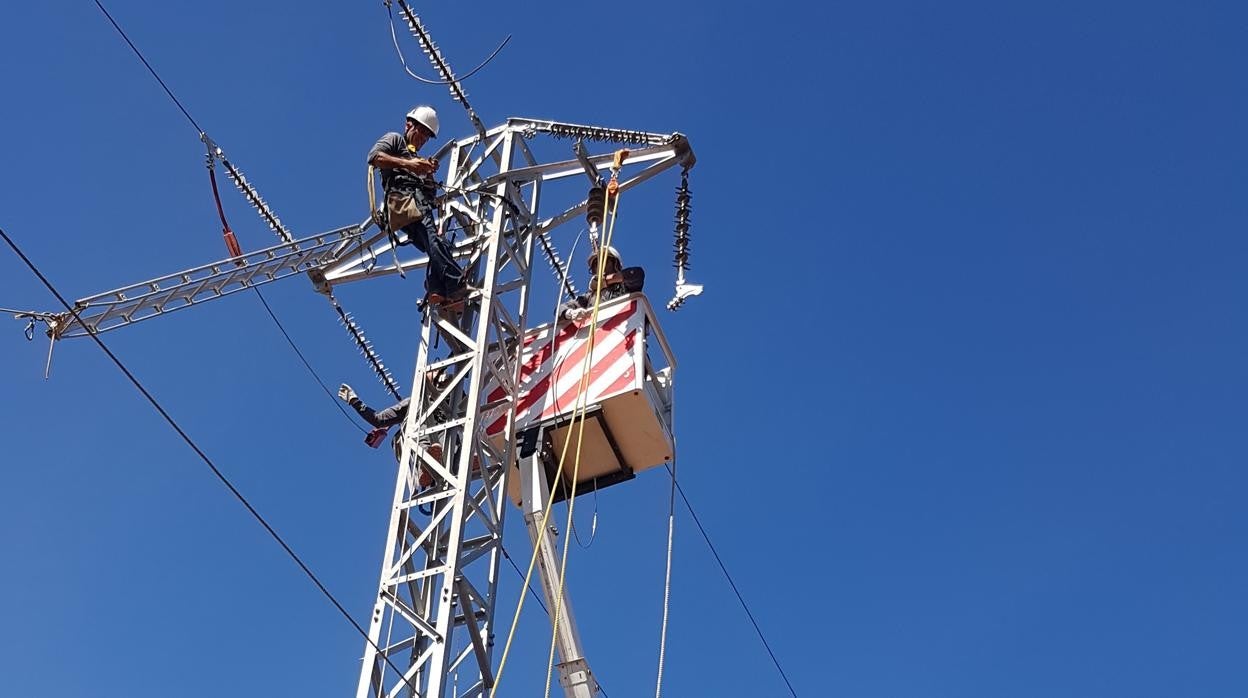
column 963, row 405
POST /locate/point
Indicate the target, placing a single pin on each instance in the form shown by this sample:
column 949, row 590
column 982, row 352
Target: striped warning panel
column 554, row 361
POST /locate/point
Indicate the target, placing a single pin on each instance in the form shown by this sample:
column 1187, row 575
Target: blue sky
column 962, row 406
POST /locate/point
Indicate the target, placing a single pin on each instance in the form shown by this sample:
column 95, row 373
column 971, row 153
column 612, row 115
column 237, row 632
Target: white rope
column 667, row 582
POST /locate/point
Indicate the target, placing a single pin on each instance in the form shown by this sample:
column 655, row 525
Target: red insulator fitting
column 231, row 243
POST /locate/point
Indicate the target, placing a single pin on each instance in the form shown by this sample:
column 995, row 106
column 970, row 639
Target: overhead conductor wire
column 285, row 334
column 149, row 67
column 200, row 130
column 195, row 447
column 315, row 375
column 394, row 37
column 220, row 476
column 723, row 568
column 456, row 93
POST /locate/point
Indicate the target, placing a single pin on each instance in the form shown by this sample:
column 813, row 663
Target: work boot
column 426, row 475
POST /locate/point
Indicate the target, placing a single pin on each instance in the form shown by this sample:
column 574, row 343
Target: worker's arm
column 417, row 166
column 633, row 278
column 574, row 309
column 381, row 420
column 386, row 155
column 390, row 416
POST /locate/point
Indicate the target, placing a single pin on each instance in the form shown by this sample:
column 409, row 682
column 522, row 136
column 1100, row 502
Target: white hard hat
column 425, row 116
column 611, row 252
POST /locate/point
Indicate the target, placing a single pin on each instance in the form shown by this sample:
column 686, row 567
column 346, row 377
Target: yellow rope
column 578, row 418
column 612, row 193
column 577, row 411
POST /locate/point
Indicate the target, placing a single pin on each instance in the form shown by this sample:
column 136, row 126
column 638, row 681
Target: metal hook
column 47, row 368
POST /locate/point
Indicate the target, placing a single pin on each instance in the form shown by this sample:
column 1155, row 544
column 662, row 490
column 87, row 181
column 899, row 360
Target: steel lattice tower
column 434, row 614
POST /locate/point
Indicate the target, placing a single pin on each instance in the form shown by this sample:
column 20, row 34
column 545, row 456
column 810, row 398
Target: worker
column 616, row 281
column 381, row 420
column 410, row 191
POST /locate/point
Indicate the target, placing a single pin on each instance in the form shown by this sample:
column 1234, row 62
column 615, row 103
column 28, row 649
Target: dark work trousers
column 444, row 275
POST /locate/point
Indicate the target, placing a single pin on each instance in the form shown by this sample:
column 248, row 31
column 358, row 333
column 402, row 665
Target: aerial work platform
column 627, row 396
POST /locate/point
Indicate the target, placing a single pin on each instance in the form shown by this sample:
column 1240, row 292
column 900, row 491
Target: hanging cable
column 395, row 38
column 723, row 568
column 440, row 64
column 593, row 527
column 557, row 266
column 563, row 276
column 249, row 192
column 537, row 597
column 667, row 580
column 270, row 218
column 307, row 571
column 306, row 364
column 149, row 67
column 231, row 242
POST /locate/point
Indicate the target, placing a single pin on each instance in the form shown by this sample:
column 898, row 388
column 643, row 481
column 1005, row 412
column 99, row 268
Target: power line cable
column 395, row 38
column 195, row 124
column 731, row 583
column 149, row 67
column 276, row 322
column 198, row 451
column 516, row 567
column 220, row 476
column 295, row 347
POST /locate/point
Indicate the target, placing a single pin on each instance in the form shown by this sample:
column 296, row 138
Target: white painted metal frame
column 131, row 304
column 434, row 612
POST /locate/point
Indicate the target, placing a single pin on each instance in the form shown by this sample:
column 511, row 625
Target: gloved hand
column 577, row 314
column 345, row 393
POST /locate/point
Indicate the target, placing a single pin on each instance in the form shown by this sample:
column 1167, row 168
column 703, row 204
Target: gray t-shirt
column 395, row 144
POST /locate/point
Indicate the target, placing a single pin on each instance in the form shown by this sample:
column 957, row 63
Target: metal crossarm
column 471, row 188
column 143, row 301
column 603, row 134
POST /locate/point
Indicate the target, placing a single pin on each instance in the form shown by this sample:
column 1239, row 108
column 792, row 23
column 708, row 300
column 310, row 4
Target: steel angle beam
column 149, row 299
column 656, row 167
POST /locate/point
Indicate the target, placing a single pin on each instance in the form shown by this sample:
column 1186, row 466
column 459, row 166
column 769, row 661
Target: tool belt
column 407, row 201
column 405, row 206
